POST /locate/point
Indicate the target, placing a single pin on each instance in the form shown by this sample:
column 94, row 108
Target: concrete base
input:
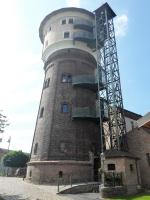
column 107, row 192
column 65, row 171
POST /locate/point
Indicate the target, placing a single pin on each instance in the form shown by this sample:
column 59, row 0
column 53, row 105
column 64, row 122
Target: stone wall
column 49, row 171
column 139, row 145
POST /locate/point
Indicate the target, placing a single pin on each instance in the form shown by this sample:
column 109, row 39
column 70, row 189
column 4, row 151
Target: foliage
column 3, row 122
column 15, row 159
column 135, row 197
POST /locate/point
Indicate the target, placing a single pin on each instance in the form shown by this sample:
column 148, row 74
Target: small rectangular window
column 46, row 43
column 70, row 21
column 66, row 78
column 35, row 148
column 111, row 167
column 41, row 112
column 148, row 158
column 131, row 167
column 66, row 34
column 63, row 21
column 46, row 83
column 64, row 108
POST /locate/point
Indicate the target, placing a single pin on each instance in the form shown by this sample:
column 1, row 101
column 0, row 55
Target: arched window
column 41, row 112
column 60, row 174
column 35, row 148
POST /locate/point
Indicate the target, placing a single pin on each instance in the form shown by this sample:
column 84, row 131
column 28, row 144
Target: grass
column 135, row 197
column 1, row 198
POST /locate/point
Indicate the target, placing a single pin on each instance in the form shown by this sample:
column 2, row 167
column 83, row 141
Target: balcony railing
column 83, row 24
column 91, row 113
column 86, row 81
column 83, row 112
column 84, row 36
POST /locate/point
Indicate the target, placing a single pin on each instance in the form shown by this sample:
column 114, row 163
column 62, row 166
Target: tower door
column 96, row 167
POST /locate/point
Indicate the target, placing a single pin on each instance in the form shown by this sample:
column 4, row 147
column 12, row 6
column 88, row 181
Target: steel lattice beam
column 112, row 118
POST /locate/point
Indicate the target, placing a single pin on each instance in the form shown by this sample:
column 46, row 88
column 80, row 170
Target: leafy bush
column 15, row 159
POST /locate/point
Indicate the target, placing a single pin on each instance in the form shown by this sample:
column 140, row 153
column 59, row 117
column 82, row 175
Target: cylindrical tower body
column 66, row 133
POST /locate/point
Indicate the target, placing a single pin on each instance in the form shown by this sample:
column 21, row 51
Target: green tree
column 15, row 159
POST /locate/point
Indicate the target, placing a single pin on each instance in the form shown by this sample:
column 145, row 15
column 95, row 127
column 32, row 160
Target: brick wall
column 139, row 145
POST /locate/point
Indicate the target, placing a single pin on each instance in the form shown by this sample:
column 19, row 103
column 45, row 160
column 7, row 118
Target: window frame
column 35, row 148
column 111, row 167
column 70, row 21
column 63, row 21
column 63, row 108
column 148, row 158
column 67, row 76
column 41, row 112
column 46, row 83
column 131, row 167
column 66, row 36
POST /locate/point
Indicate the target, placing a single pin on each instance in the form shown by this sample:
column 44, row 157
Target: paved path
column 17, row 189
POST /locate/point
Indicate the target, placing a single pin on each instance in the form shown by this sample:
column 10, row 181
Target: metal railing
column 113, row 179
column 84, row 79
column 83, row 36
column 68, row 181
column 83, row 24
column 83, row 112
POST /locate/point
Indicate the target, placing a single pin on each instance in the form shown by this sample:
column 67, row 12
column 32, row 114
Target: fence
column 113, row 179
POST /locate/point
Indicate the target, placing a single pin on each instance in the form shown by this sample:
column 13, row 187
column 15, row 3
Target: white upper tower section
column 67, row 28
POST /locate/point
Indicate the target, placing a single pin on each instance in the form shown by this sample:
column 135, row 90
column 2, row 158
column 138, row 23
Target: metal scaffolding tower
column 112, row 119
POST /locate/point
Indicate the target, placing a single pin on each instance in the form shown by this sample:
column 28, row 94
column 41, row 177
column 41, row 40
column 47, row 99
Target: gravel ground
column 17, row 189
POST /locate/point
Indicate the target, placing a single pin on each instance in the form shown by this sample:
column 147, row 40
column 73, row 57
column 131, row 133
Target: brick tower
column 66, row 140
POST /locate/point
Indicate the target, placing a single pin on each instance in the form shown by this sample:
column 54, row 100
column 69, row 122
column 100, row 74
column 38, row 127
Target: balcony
column 85, row 81
column 90, row 113
column 84, row 36
column 83, row 24
column 88, row 82
column 83, row 112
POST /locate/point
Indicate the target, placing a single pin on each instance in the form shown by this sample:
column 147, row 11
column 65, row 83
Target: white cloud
column 121, row 25
column 73, row 3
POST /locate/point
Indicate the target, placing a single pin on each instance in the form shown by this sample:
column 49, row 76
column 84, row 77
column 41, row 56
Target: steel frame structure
column 113, row 128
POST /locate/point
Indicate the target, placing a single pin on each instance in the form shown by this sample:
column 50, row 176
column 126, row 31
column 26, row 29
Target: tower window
column 70, row 21
column 46, row 83
column 60, row 174
column 66, row 34
column 63, row 147
column 148, row 158
column 131, row 167
column 30, row 173
column 111, row 167
column 63, row 21
column 46, row 43
column 132, row 125
column 41, row 112
column 35, row 148
column 66, row 78
column 64, row 108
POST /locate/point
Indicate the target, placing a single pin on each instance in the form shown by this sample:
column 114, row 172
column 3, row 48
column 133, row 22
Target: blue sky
column 21, row 68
